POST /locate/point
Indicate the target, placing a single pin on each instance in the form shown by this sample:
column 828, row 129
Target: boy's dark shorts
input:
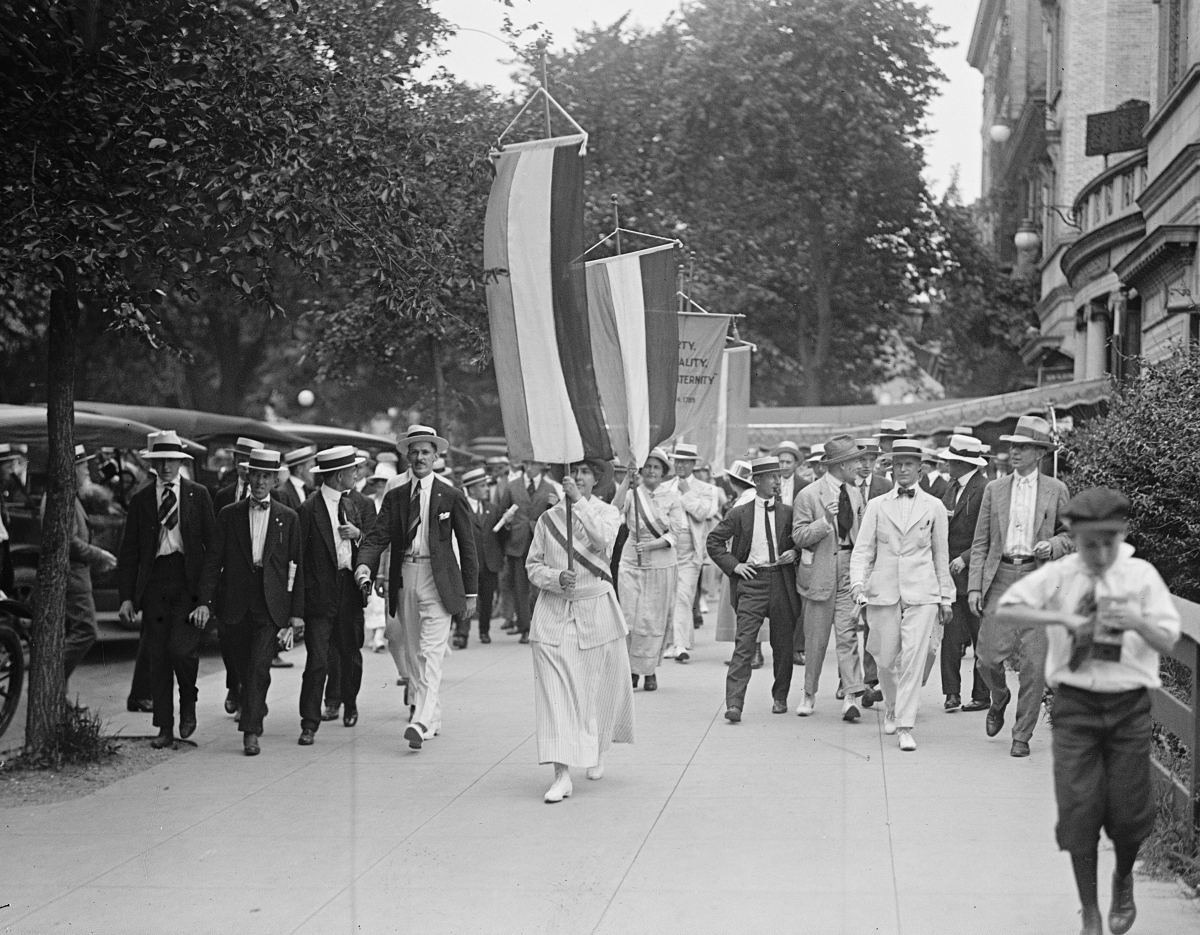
column 1102, row 767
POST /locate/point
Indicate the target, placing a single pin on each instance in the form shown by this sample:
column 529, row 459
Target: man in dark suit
column 753, row 546
column 333, row 521
column 532, row 496
column 870, row 485
column 931, row 482
column 490, row 555
column 254, row 575
column 298, row 486
column 963, row 498
column 421, row 520
column 168, row 532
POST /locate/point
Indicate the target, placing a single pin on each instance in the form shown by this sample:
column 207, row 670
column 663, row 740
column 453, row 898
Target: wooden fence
column 1180, row 718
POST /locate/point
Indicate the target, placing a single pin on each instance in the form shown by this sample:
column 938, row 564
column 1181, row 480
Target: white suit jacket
column 700, row 508
column 903, row 562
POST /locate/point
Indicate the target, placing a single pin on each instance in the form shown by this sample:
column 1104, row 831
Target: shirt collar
column 330, row 495
column 1030, row 478
column 962, row 481
column 174, row 485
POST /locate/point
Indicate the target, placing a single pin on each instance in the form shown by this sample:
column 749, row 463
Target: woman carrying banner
column 584, row 699
column 654, row 516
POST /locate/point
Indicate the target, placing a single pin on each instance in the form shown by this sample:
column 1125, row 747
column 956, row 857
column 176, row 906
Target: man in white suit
column 900, row 569
column 825, row 521
column 699, row 509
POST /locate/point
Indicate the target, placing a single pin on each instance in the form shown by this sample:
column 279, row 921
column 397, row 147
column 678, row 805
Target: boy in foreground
column 1108, row 617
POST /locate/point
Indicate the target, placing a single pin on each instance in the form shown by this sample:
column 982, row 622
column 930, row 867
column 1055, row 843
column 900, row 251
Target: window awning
column 808, row 425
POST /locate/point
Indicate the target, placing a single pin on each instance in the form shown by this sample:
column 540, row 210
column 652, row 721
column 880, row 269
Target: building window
column 1096, row 209
column 1174, row 42
column 1108, row 199
column 1126, row 190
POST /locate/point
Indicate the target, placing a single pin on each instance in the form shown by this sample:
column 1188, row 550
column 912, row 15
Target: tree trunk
column 813, row 349
column 439, row 384
column 47, row 683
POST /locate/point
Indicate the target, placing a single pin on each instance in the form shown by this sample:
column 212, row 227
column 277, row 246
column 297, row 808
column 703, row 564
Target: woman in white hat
column 654, row 517
column 582, row 685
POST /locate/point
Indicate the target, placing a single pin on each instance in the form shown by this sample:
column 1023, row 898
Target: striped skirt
column 583, row 699
column 648, row 603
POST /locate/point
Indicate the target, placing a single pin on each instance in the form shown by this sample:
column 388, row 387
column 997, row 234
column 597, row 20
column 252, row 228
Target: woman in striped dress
column 584, row 700
column 654, row 517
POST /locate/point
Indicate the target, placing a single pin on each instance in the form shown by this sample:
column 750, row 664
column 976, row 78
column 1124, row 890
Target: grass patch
column 79, row 740
column 1171, row 850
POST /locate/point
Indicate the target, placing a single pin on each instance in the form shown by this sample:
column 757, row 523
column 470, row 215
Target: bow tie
column 260, row 504
column 906, row 491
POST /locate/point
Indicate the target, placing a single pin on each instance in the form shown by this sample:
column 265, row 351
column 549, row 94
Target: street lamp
column 1000, row 132
column 1027, row 236
column 306, row 398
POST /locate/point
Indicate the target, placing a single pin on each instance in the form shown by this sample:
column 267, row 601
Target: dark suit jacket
column 318, row 541
column 936, row 489
column 964, row 515
column 139, row 544
column 878, row 487
column 229, row 565
column 729, row 546
column 488, row 550
column 529, row 511
column 225, row 496
column 286, row 494
column 454, row 583
column 6, row 565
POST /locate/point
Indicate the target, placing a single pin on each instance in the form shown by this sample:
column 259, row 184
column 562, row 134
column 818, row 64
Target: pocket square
column 442, row 516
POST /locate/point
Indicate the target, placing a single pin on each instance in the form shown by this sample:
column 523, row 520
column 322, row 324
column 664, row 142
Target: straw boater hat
column 741, row 474
column 264, row 459
column 165, row 445
column 789, row 446
column 1031, row 430
column 661, row 455
column 685, row 452
column 892, row 428
column 963, row 430
column 81, row 455
column 1097, row 508
column 244, row 447
column 384, row 470
column 965, row 448
column 388, row 457
column 423, row 433
column 929, row 456
column 816, row 453
column 497, row 460
column 300, row 455
column 907, row 448
column 761, row 466
column 840, row 448
column 8, row 452
column 337, row 458
column 476, row 475
column 867, row 446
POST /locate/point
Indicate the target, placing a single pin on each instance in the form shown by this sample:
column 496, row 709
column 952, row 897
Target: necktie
column 342, row 508
column 531, row 487
column 168, row 513
column 414, row 512
column 906, row 491
column 1083, row 639
column 768, row 509
column 845, row 514
column 260, row 504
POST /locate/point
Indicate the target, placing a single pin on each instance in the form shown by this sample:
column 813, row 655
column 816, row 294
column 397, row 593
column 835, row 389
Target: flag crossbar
column 543, row 93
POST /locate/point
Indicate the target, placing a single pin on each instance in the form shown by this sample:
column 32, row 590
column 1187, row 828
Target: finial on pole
column 541, row 47
column 615, row 200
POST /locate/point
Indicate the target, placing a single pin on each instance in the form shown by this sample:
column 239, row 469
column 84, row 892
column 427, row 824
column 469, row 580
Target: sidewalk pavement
column 776, row 824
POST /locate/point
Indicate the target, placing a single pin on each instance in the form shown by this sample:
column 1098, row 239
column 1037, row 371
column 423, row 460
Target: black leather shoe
column 1019, row 748
column 231, row 702
column 250, row 744
column 165, row 738
column 524, row 637
column 635, row 679
column 144, row 705
column 757, row 662
column 995, row 717
column 187, row 721
column 1122, row 912
column 307, row 737
column 953, row 702
column 331, row 713
column 683, row 656
column 485, row 638
column 651, row 683
column 278, row 662
column 413, row 735
column 697, row 623
column 350, row 718
column 974, row 705
column 871, row 696
column 460, row 642
column 733, row 715
column 509, row 627
column 779, row 706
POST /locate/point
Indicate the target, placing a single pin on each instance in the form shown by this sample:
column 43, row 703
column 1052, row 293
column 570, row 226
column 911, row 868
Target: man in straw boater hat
column 488, row 552
column 168, row 532
column 1108, row 616
column 80, row 623
column 889, row 431
column 900, row 571
column 297, row 487
column 525, row 498
column 962, row 499
column 254, row 575
column 699, row 501
column 333, row 521
column 825, row 525
column 426, row 583
column 759, row 560
column 1020, row 528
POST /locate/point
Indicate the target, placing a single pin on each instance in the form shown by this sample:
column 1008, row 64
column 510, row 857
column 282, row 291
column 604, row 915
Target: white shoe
column 906, row 740
column 670, row 653
column 597, row 771
column 889, row 720
column 850, row 711
column 807, row 705
column 561, row 789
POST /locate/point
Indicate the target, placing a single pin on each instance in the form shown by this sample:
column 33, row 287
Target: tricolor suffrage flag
column 537, row 307
column 635, row 341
